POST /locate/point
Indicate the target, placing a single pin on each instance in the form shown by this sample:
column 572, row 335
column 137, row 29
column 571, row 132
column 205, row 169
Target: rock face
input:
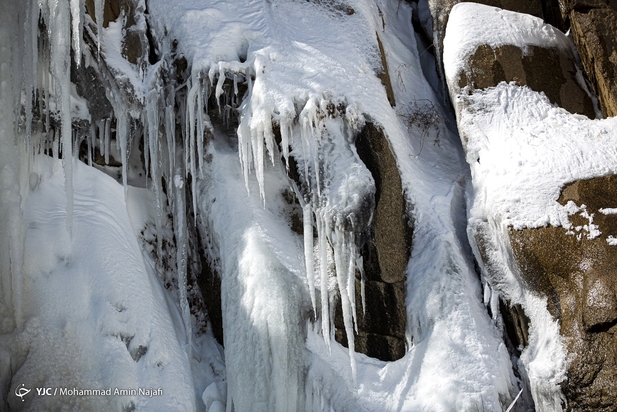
column 577, row 274
column 381, row 327
column 594, row 28
column 550, row 71
column 134, row 43
column 574, row 268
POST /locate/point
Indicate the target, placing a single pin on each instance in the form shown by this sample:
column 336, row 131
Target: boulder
column 381, row 323
column 577, row 274
column 389, row 246
column 569, row 264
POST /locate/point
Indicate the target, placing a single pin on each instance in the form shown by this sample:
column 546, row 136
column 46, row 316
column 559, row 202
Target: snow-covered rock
column 540, row 175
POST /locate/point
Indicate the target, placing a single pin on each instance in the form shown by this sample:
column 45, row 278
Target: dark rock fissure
column 602, row 327
column 153, row 55
column 516, row 325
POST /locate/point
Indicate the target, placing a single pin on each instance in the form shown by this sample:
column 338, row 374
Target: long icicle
column 60, row 68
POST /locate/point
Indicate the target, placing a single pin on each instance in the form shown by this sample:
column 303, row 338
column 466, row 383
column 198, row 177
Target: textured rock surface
column 390, row 242
column 381, row 327
column 135, row 48
column 594, row 28
column 545, row 70
column 577, row 274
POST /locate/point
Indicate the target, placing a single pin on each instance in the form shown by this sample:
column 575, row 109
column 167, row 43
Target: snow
column 86, row 298
column 517, row 140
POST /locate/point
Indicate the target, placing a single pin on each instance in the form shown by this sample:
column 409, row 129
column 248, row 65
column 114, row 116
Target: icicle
column 91, row 141
column 200, row 130
column 121, row 137
column 107, row 143
column 181, row 251
column 268, row 136
column 285, row 126
column 244, row 143
column 257, row 143
column 187, row 124
column 98, row 16
column 170, row 134
column 341, row 260
column 30, row 64
column 219, row 86
column 351, row 276
column 323, row 272
column 193, row 112
column 146, row 145
column 76, row 28
column 307, row 218
column 152, row 120
column 360, row 266
column 60, row 68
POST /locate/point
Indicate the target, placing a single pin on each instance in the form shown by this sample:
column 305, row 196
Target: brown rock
column 381, row 326
column 577, row 274
column 383, row 313
column 595, row 34
column 536, row 69
column 111, row 11
column 516, row 324
column 384, row 75
column 381, row 323
column 570, row 5
column 387, row 251
column 385, row 348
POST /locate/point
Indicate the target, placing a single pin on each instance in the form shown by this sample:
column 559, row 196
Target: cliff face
column 340, row 205
column 567, row 260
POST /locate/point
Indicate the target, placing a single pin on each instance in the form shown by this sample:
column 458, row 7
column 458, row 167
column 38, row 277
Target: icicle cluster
column 36, row 89
column 336, row 192
column 41, row 113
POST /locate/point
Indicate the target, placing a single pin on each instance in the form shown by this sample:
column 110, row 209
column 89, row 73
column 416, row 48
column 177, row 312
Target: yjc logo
column 22, row 391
